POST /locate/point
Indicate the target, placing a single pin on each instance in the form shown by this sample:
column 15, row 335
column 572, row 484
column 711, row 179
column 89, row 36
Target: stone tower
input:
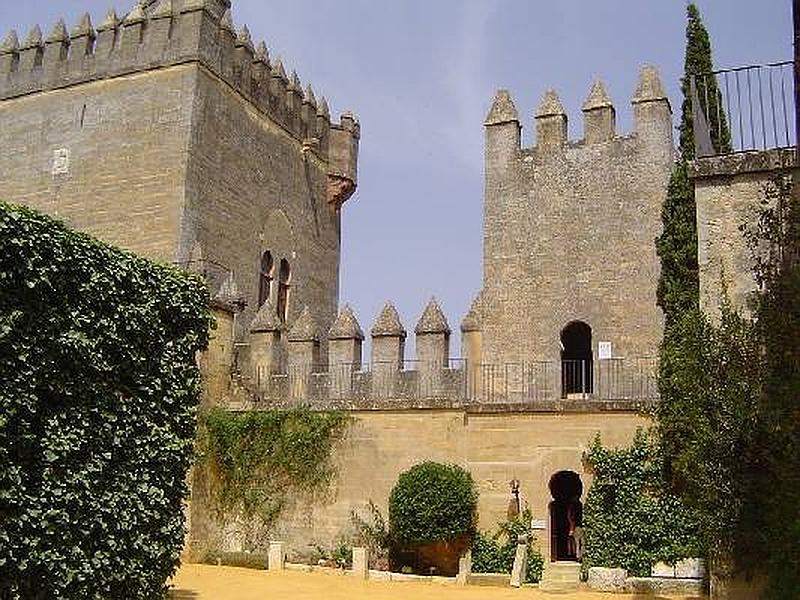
column 167, row 132
column 569, row 228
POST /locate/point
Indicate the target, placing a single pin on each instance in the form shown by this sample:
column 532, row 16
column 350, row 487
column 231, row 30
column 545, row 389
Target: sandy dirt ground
column 203, row 582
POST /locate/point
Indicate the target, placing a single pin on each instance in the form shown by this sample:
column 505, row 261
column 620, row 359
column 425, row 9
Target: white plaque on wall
column 538, row 524
column 61, row 161
column 604, row 350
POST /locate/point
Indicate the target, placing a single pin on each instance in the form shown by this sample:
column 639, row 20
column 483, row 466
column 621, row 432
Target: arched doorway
column 576, row 359
column 566, row 514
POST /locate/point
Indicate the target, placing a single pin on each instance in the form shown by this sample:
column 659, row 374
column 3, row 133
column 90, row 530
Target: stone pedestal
column 361, row 563
column 277, row 556
column 520, row 568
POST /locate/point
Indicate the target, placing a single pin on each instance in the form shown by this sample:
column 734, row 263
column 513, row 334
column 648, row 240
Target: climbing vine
column 258, row 462
column 630, row 519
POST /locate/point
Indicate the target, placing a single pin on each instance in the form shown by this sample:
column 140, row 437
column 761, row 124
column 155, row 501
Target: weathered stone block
column 277, row 556
column 361, row 563
column 604, row 579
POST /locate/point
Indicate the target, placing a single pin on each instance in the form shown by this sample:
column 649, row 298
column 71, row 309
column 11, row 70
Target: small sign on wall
column 61, row 161
column 604, row 350
column 538, row 524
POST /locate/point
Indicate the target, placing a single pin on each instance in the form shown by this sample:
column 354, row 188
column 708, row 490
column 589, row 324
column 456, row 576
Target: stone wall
column 569, row 227
column 168, row 132
column 494, row 447
column 107, row 156
column 728, row 191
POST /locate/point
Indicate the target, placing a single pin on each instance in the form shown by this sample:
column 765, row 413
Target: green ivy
column 630, row 520
column 258, row 461
column 495, row 552
column 432, row 502
column 99, row 384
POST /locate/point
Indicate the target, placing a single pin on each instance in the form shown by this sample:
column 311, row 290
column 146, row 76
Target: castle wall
column 728, row 193
column 126, row 144
column 252, row 187
column 569, row 231
column 494, row 447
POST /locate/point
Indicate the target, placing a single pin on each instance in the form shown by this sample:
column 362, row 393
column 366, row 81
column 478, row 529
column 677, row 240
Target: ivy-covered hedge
column 630, row 519
column 98, row 388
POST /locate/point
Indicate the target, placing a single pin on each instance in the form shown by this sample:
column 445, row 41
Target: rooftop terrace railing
column 410, row 383
column 743, row 109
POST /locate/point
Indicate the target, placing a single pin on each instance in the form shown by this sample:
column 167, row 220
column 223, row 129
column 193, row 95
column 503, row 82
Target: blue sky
column 421, row 74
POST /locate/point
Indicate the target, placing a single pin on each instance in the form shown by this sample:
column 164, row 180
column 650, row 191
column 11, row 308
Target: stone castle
column 167, row 132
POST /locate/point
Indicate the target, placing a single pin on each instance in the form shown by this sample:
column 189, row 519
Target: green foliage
column 495, row 553
column 373, row 532
column 630, row 520
column 678, row 285
column 259, row 461
column 99, row 387
column 698, row 61
column 729, row 421
column 343, row 555
column 432, row 502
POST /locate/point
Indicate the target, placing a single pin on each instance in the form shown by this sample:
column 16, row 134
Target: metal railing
column 742, row 109
column 457, row 381
column 606, row 380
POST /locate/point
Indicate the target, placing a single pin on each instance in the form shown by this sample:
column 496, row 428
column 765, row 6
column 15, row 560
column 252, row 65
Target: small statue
column 513, row 504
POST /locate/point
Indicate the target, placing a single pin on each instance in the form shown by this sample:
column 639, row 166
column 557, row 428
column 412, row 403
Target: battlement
column 651, row 108
column 283, row 365
column 162, row 33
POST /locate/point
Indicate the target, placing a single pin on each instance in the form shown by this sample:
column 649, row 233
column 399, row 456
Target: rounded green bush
column 432, row 502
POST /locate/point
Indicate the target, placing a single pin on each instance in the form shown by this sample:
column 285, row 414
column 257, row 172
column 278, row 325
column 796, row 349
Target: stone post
column 303, row 341
column 599, row 116
column 433, row 349
column 388, row 351
column 651, row 109
column 361, row 563
column 277, row 556
column 503, row 134
column 464, row 568
column 344, row 352
column 472, row 349
column 551, row 123
column 265, row 346
column 82, row 41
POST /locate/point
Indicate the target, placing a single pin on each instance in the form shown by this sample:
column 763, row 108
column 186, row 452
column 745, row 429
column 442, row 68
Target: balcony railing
column 742, row 109
column 458, row 383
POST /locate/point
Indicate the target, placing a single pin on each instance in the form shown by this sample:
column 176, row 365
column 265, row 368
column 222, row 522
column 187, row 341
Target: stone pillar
column 217, row 360
column 472, row 349
column 599, row 116
column 265, row 346
column 502, row 134
column 651, row 109
column 277, row 556
column 388, row 351
column 464, row 568
column 344, row 352
column 82, row 41
column 303, row 341
column 361, row 563
column 551, row 123
column 433, row 349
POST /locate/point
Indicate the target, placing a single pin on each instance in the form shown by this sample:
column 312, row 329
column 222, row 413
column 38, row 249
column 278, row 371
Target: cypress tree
column 679, row 287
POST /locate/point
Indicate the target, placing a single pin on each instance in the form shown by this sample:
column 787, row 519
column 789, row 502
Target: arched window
column 576, row 359
column 284, row 280
column 265, row 277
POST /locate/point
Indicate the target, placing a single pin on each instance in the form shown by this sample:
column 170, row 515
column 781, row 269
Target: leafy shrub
column 372, row 533
column 99, row 387
column 495, row 553
column 630, row 519
column 432, row 502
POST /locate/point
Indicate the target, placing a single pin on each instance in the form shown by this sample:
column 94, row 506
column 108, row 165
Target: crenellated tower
column 570, row 269
column 168, row 131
